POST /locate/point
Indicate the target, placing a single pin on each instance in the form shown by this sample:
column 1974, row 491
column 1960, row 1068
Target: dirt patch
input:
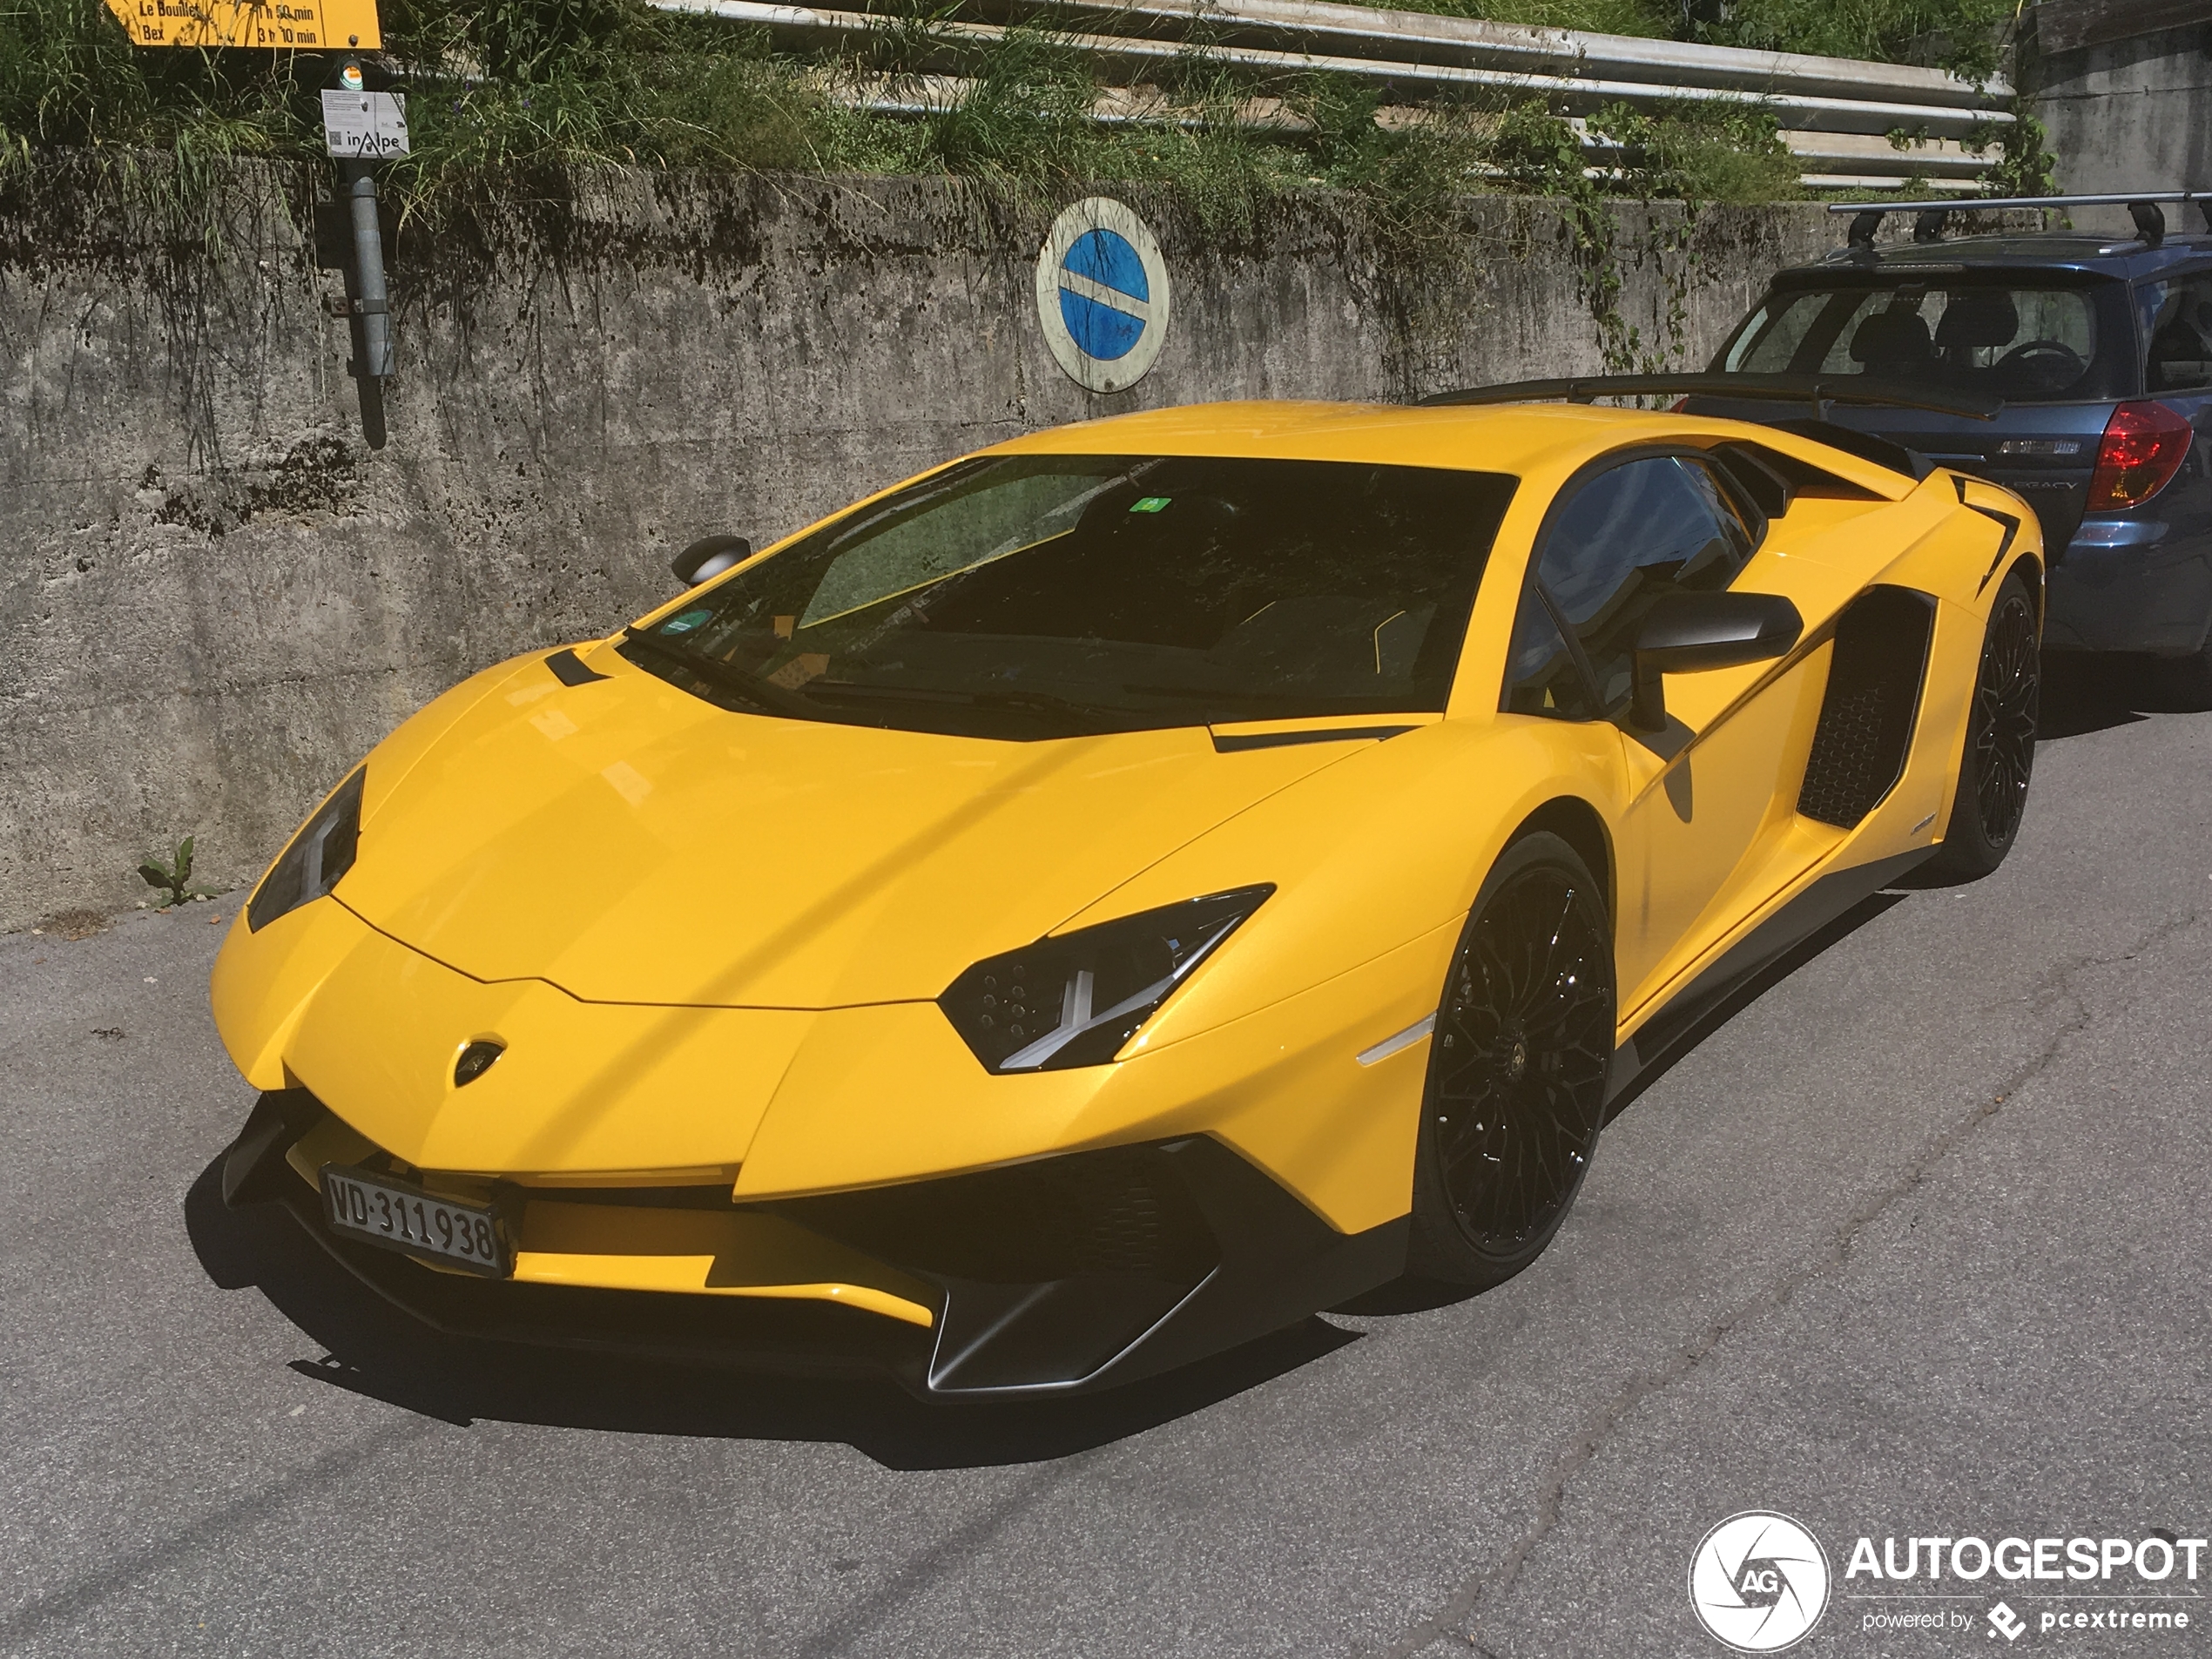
column 77, row 924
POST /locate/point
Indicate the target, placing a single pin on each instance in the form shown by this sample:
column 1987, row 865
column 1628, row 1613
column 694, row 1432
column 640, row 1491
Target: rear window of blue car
column 2024, row 337
column 1040, row 596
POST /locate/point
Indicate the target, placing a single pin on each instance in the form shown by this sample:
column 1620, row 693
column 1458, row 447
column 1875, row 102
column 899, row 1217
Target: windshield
column 1038, row 596
column 2024, row 338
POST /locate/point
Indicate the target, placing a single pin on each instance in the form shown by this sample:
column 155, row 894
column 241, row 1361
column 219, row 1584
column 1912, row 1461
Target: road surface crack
column 2054, row 989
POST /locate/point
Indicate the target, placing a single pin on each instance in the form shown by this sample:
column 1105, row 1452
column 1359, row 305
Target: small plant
column 173, row 881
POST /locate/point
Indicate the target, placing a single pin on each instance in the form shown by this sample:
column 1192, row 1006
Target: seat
column 1893, row 344
column 1978, row 318
column 2179, row 358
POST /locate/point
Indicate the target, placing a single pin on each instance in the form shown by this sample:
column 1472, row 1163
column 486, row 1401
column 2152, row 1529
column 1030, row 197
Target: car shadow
column 2084, row 693
column 1757, row 986
column 373, row 1349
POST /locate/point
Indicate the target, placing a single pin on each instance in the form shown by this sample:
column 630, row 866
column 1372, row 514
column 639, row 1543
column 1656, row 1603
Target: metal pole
column 372, row 309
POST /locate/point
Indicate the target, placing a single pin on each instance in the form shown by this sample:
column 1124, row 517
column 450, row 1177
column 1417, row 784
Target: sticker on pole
column 1103, row 295
column 364, row 126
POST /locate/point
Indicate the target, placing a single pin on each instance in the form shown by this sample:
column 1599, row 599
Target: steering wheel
column 2051, row 362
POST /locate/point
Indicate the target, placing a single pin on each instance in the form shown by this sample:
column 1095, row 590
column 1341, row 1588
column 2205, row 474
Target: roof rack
column 1928, row 222
column 1815, row 390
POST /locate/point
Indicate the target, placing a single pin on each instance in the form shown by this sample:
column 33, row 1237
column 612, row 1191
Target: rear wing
column 1817, row 391
column 1819, row 394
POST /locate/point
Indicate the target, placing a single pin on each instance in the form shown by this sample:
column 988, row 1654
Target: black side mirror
column 708, row 557
column 1688, row 631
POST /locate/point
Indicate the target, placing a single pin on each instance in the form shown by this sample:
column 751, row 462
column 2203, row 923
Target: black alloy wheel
column 1517, row 1068
column 1999, row 757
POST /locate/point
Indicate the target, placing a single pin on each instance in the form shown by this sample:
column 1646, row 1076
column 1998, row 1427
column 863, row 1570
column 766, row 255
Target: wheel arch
column 1580, row 826
column 2029, row 569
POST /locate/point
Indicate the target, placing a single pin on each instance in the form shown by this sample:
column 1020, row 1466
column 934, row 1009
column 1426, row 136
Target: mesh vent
column 1873, row 696
column 1123, row 1210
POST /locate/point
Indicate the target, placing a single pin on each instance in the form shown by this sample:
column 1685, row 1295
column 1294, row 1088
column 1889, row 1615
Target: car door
column 1707, row 800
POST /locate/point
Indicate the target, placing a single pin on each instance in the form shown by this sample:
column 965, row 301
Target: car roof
column 1500, row 439
column 1516, row 438
column 2116, row 256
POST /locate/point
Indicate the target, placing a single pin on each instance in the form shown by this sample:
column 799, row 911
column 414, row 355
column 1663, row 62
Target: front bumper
column 2130, row 585
column 1065, row 1275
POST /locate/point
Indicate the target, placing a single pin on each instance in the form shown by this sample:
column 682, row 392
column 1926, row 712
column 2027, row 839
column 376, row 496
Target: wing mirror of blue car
column 1685, row 632
column 708, row 557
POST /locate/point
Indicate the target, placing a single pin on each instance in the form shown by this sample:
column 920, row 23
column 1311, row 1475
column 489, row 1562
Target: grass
column 1595, row 17
column 505, row 88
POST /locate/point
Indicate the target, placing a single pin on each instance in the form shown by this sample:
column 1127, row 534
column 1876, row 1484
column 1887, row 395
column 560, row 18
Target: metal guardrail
column 1836, row 113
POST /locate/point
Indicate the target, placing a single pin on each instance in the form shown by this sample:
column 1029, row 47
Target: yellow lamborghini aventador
column 1121, row 892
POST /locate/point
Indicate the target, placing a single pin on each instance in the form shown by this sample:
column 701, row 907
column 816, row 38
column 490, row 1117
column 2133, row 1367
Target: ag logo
column 1103, row 295
column 1758, row 1581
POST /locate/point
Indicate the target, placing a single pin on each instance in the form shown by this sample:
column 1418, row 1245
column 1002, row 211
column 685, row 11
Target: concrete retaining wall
column 2130, row 112
column 213, row 596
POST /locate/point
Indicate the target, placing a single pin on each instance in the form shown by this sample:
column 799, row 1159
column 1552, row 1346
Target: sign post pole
column 359, row 129
column 372, row 311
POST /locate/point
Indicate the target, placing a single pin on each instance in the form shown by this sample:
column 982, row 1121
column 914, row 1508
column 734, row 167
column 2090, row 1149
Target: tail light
column 2144, row 446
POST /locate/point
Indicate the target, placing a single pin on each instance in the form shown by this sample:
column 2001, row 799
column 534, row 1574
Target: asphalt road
column 1914, row 1243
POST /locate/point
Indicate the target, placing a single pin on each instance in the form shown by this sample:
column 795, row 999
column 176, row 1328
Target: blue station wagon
column 2100, row 351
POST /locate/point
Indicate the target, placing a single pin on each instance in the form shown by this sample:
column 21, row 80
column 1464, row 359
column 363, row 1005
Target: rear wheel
column 1517, row 1068
column 1999, row 757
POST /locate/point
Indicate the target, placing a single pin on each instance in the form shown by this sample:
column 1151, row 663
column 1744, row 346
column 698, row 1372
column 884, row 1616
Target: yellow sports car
column 1121, row 892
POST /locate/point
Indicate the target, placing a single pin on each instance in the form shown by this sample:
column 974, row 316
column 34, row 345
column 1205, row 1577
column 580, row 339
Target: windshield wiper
column 1095, row 719
column 1087, row 718
column 756, row 694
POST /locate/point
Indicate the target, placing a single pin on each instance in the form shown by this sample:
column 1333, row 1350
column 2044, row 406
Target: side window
column 1542, row 675
column 2177, row 331
column 1768, row 343
column 1648, row 528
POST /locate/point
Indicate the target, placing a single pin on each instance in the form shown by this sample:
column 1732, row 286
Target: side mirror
column 708, row 557
column 1688, row 631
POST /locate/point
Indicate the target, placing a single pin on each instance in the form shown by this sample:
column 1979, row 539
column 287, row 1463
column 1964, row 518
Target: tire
column 1999, row 755
column 1517, row 1070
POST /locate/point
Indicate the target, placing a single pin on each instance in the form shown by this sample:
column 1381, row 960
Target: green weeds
column 173, row 881
column 501, row 88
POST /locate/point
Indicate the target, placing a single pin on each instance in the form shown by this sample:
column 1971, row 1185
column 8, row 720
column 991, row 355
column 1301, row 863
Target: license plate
column 399, row 1216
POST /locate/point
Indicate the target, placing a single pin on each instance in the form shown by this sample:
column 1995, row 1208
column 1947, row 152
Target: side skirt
column 1671, row 1030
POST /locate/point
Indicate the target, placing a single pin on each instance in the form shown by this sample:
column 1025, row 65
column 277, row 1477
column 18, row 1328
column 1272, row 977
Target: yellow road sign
column 279, row 25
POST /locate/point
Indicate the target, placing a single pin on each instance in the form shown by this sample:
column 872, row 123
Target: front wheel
column 1517, row 1068
column 1993, row 773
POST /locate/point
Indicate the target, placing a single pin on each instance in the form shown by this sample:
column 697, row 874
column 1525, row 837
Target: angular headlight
column 320, row 853
column 1075, row 999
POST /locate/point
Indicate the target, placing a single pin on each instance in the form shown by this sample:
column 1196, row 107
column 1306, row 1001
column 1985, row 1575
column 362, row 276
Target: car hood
column 629, row 843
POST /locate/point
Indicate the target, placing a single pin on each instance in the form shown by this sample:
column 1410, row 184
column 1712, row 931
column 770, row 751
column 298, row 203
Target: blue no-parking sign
column 1102, row 294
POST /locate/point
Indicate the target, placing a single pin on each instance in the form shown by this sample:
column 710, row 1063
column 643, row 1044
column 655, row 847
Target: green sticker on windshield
column 1151, row 504
column 684, row 624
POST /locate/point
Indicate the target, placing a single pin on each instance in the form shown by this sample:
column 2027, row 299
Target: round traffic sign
column 1102, row 294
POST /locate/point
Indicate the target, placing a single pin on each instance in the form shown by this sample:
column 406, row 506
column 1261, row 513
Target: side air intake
column 1866, row 719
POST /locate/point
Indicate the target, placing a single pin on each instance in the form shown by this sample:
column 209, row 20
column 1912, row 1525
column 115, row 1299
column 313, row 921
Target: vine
column 1666, row 156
